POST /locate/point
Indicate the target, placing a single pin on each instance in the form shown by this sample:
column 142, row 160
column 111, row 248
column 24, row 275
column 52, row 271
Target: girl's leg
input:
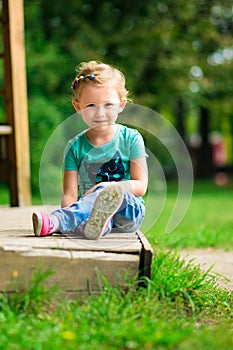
column 65, row 220
column 130, row 215
column 73, row 218
column 90, row 216
column 106, row 205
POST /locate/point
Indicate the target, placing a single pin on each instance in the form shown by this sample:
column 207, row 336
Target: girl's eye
column 108, row 105
column 91, row 105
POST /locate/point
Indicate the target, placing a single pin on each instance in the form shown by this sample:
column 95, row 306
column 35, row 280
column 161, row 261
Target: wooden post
column 16, row 102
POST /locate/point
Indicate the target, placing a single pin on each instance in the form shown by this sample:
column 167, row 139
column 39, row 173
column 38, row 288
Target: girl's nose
column 100, row 111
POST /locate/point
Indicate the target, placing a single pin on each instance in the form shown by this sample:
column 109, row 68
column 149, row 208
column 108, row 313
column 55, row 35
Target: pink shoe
column 42, row 224
column 106, row 205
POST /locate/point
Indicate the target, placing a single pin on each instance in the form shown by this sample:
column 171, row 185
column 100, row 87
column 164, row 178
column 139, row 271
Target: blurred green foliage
column 177, row 58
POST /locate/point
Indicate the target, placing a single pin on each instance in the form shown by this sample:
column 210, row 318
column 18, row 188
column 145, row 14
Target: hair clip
column 82, row 77
column 74, row 83
column 91, row 76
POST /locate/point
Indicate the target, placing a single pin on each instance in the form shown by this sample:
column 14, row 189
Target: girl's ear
column 122, row 105
column 76, row 106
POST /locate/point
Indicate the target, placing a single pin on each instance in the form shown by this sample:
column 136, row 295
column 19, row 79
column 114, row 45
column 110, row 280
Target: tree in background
column 177, row 57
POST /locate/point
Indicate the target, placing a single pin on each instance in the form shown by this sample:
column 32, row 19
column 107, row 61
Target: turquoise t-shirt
column 110, row 162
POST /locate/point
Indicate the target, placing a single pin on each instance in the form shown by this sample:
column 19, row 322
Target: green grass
column 207, row 223
column 180, row 308
column 4, row 195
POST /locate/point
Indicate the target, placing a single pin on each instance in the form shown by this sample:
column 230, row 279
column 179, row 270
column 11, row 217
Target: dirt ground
column 222, row 262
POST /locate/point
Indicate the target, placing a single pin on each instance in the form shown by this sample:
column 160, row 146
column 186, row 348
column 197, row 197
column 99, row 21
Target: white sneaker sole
column 106, row 205
column 37, row 223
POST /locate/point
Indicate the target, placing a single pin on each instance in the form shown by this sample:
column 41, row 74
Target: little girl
column 105, row 170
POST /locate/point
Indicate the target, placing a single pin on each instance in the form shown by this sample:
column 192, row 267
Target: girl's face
column 99, row 105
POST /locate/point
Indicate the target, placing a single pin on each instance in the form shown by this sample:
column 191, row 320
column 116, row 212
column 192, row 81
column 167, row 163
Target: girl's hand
column 93, row 188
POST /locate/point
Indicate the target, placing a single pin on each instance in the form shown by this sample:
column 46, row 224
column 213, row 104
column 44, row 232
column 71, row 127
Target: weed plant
column 179, row 308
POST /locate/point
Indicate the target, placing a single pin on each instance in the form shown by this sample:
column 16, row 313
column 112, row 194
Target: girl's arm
column 138, row 177
column 70, row 188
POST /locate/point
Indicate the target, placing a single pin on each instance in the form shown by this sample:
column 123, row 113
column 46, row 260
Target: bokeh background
column 177, row 57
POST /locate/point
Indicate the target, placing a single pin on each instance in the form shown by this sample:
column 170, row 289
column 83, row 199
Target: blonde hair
column 98, row 73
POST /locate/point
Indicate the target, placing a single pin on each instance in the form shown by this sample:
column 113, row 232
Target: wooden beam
column 5, row 133
column 19, row 116
column 5, row 129
column 145, row 258
column 11, row 175
column 79, row 265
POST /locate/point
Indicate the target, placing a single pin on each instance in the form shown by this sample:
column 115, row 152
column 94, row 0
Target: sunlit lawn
column 181, row 307
column 208, row 221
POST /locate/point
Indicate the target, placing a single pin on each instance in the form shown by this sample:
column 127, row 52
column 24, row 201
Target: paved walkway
column 221, row 260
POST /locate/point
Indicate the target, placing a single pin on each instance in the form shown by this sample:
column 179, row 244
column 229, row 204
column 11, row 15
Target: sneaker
column 106, row 205
column 42, row 224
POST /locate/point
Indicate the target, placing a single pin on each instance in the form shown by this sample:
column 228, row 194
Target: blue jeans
column 127, row 219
